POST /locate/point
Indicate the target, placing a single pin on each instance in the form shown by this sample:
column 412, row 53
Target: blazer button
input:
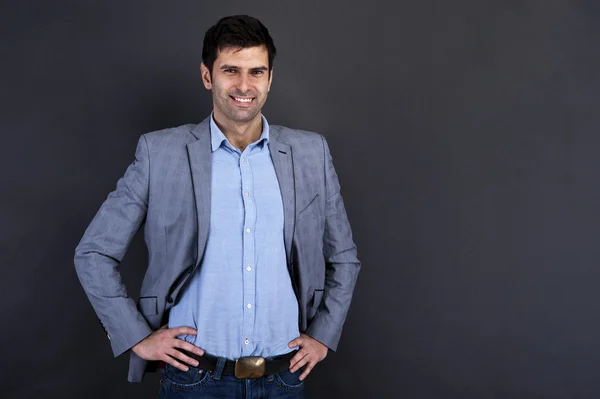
column 169, row 299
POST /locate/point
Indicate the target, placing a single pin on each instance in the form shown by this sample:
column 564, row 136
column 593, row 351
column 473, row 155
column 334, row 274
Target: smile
column 242, row 100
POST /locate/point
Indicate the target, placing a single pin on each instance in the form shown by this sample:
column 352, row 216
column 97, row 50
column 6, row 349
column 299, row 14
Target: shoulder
column 299, row 138
column 168, row 142
column 171, row 136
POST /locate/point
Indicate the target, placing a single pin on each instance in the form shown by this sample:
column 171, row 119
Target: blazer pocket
column 148, row 305
column 310, row 204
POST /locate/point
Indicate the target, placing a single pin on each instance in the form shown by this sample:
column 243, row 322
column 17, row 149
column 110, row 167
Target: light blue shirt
column 241, row 300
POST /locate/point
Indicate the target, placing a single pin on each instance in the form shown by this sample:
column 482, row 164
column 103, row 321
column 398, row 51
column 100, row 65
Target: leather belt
column 244, row 367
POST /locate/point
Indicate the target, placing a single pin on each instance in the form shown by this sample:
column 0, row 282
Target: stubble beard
column 241, row 115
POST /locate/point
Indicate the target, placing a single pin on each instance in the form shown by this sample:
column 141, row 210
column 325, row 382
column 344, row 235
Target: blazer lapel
column 199, row 154
column 281, row 153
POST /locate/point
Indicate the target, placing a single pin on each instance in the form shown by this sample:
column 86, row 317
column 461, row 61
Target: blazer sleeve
column 102, row 248
column 341, row 262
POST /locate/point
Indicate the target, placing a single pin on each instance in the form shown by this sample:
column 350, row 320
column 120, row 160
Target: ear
column 206, row 78
column 270, row 79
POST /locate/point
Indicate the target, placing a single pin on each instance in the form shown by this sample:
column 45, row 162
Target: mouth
column 242, row 101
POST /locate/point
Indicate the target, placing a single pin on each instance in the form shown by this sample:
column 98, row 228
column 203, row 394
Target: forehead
column 250, row 57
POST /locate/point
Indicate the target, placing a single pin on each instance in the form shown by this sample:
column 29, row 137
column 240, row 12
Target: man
column 251, row 259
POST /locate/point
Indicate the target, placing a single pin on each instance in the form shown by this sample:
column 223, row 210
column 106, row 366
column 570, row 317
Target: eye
column 257, row 73
column 230, row 70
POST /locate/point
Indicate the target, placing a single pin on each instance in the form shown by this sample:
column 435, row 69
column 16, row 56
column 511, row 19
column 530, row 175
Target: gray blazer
column 167, row 189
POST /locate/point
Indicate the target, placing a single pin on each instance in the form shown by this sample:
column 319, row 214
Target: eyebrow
column 260, row 68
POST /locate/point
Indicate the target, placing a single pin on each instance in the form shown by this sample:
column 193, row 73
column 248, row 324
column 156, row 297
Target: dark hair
column 236, row 31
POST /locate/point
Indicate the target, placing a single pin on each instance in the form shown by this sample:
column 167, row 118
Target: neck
column 240, row 134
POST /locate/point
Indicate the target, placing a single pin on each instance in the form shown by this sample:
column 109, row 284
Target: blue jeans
column 196, row 383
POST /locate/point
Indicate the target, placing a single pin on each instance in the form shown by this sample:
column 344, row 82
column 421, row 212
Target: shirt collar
column 217, row 137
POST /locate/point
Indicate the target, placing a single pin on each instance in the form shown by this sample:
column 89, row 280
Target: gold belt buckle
column 250, row 367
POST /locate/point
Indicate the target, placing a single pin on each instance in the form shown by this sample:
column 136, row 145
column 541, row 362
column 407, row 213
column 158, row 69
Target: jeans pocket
column 289, row 381
column 185, row 380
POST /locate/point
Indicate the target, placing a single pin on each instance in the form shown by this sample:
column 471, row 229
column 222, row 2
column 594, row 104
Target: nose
column 243, row 83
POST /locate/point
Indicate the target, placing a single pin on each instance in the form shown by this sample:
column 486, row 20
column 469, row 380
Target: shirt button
column 246, row 341
column 243, row 160
column 248, row 268
column 246, row 193
column 248, row 230
column 249, row 305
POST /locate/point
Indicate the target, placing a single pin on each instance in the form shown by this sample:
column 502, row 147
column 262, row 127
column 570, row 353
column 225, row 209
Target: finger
column 299, row 364
column 163, row 327
column 183, row 331
column 183, row 357
column 307, row 371
column 297, row 357
column 174, row 363
column 180, row 343
column 295, row 342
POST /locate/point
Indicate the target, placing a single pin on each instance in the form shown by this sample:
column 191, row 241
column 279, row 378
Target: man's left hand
column 311, row 352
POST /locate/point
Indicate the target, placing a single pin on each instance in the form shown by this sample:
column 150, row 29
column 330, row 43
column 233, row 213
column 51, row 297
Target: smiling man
column 252, row 265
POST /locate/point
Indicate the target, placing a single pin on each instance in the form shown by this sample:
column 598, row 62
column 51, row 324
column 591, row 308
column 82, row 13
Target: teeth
column 243, row 100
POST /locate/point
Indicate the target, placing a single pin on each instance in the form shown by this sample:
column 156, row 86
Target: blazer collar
column 202, row 129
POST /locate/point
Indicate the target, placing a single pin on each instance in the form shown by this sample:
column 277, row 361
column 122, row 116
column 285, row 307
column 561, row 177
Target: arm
column 103, row 247
column 342, row 268
column 97, row 258
column 342, row 264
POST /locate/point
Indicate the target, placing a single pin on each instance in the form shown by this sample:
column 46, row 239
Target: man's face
column 240, row 82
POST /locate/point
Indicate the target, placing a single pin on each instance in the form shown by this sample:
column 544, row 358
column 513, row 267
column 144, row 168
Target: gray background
column 465, row 137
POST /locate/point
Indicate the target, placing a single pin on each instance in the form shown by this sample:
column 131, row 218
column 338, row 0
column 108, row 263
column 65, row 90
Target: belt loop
column 219, row 368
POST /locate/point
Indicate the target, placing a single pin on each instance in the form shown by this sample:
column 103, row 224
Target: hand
column 311, row 352
column 161, row 344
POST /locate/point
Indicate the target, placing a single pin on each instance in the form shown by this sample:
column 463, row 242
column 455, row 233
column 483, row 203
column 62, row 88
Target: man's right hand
column 161, row 344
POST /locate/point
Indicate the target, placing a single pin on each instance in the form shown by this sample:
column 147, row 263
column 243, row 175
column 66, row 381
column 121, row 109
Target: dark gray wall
column 465, row 137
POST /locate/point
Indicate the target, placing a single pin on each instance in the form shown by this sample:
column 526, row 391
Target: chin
column 246, row 117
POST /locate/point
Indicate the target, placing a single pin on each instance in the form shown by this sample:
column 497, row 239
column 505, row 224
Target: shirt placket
column 248, row 255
